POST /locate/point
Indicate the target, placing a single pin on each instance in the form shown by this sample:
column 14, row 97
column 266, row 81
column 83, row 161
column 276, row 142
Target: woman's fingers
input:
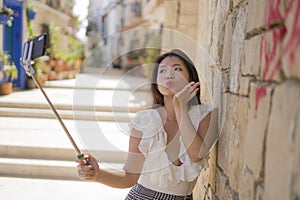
column 194, row 85
column 192, row 88
column 187, row 93
column 86, row 172
column 87, row 168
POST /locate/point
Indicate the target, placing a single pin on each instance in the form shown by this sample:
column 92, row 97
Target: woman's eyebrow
column 174, row 65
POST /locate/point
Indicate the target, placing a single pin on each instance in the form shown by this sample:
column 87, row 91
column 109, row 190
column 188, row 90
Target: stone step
column 15, row 188
column 39, row 148
column 63, row 154
column 81, row 99
column 44, row 105
column 102, row 81
column 39, row 138
column 48, row 169
column 66, row 114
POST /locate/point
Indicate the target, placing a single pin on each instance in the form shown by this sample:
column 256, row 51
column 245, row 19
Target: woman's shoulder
column 147, row 113
column 145, row 119
column 203, row 108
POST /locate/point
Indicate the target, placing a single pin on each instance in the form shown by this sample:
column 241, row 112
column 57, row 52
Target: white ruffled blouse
column 159, row 173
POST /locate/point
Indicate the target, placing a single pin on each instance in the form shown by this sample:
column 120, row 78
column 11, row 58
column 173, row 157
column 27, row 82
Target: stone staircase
column 34, row 145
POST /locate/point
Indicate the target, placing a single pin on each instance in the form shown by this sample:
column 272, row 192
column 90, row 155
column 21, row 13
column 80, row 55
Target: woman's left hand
column 182, row 97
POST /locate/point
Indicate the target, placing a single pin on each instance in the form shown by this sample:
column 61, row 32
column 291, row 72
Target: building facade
column 117, row 31
column 47, row 13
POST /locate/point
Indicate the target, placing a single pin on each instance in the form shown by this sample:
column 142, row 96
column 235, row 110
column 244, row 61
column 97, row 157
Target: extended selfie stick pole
column 26, row 63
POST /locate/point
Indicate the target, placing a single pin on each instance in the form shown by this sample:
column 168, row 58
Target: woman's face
column 172, row 75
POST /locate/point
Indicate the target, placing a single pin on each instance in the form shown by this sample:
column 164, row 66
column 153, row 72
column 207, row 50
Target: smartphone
column 35, row 47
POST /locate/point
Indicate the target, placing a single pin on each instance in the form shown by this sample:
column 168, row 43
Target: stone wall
column 254, row 78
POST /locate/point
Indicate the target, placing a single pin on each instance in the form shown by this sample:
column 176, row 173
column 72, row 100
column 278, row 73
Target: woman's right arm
column 115, row 178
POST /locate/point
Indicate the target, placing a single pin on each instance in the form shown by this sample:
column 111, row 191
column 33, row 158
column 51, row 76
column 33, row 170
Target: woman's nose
column 170, row 74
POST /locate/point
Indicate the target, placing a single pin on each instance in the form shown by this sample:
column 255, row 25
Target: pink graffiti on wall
column 270, row 49
column 293, row 42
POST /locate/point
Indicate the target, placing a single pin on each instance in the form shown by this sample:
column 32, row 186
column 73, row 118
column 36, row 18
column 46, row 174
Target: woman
column 169, row 143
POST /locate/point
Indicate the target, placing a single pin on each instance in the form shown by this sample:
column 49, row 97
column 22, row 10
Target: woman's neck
column 169, row 108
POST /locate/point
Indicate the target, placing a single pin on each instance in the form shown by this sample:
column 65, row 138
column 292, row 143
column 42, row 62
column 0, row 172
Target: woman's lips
column 170, row 83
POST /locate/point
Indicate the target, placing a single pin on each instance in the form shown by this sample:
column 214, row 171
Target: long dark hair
column 158, row 98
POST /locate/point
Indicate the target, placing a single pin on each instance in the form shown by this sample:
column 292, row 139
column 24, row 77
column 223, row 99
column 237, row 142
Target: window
column 136, row 9
column 104, row 30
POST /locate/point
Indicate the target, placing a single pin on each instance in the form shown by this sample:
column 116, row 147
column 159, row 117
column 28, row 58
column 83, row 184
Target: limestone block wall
column 254, row 78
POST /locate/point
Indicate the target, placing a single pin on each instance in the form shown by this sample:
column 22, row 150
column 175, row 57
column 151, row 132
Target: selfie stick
column 26, row 62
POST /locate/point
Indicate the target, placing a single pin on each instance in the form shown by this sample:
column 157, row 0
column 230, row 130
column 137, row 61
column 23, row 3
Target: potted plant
column 9, row 72
column 30, row 11
column 6, row 15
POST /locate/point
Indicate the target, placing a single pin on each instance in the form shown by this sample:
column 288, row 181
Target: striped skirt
column 139, row 192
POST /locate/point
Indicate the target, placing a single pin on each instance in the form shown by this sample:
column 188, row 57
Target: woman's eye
column 162, row 71
column 178, row 69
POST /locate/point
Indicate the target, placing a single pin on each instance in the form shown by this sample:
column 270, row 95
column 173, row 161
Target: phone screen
column 39, row 46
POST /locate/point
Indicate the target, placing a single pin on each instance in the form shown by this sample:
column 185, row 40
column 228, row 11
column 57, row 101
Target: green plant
column 37, row 66
column 68, row 53
column 9, row 68
column 8, row 12
column 55, row 49
column 75, row 50
column 30, row 7
column 11, row 72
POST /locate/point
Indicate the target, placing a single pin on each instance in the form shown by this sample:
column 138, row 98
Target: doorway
column 13, row 39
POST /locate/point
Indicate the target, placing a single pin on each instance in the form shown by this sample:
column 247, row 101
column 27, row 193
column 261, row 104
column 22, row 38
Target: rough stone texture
column 188, row 19
column 205, row 21
column 231, row 142
column 260, row 193
column 181, row 29
column 49, row 17
column 189, row 7
column 218, row 27
column 227, row 43
column 244, row 87
column 251, row 57
column 225, row 138
column 189, row 30
column 281, row 137
column 296, row 158
column 173, row 38
column 260, row 101
column 223, row 189
column 256, row 14
column 246, row 189
column 271, row 43
column 171, row 13
column 291, row 43
column 238, row 38
column 274, row 11
column 218, row 97
column 205, row 186
column 222, row 181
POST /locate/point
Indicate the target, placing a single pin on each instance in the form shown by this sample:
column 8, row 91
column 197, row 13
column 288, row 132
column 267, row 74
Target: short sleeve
column 146, row 122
